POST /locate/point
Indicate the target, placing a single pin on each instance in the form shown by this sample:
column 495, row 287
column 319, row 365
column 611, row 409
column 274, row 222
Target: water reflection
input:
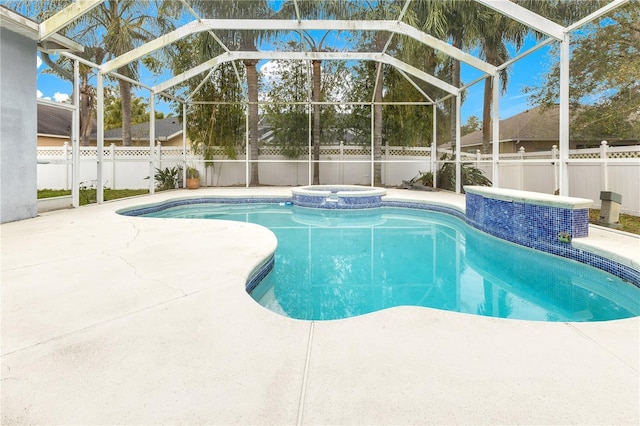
column 334, row 267
column 336, row 264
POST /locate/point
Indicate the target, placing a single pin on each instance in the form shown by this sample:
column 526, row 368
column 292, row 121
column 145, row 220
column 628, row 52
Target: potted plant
column 193, row 178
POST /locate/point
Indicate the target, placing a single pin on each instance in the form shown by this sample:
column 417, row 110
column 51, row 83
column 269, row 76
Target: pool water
column 332, row 264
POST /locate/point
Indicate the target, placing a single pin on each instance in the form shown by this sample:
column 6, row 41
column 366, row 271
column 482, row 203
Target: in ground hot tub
column 338, row 196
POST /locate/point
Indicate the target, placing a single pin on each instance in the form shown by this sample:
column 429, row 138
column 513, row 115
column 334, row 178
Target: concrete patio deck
column 108, row 319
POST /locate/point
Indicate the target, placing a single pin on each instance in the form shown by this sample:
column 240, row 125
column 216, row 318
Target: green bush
column 447, row 175
column 168, row 178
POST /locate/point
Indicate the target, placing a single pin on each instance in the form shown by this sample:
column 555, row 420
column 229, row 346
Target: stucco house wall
column 18, row 187
column 52, row 140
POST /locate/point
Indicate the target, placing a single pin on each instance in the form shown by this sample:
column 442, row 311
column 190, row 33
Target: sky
column 527, row 71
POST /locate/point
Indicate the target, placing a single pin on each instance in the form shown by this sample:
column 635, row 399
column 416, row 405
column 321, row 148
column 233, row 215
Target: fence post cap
column 611, row 196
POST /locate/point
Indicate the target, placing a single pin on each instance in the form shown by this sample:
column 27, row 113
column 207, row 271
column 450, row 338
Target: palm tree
column 316, row 96
column 455, row 20
column 64, row 69
column 109, row 30
column 127, row 24
column 496, row 30
column 317, row 10
column 248, row 40
column 375, row 11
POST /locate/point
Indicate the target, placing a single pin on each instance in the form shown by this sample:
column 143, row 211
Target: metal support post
column 434, row 147
column 495, row 116
column 458, row 165
column 564, row 114
column 152, row 140
column 75, row 133
column 100, row 141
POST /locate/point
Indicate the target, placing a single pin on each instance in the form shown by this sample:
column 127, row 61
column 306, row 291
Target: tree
column 369, row 10
column 62, row 67
column 452, row 20
column 113, row 111
column 406, row 125
column 495, row 31
column 126, row 25
column 460, row 18
column 287, row 115
column 111, row 29
column 211, row 125
column 288, row 96
column 604, row 85
column 316, row 10
column 244, row 40
column 472, row 124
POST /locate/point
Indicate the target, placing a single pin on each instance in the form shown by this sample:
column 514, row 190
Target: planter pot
column 193, row 183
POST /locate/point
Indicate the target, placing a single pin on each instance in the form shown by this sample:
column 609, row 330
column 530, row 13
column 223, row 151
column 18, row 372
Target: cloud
column 39, row 94
column 60, row 97
column 523, row 95
column 38, row 62
column 270, row 72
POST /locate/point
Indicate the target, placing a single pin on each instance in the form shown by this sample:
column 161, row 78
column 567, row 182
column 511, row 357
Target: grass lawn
column 88, row 196
column 629, row 223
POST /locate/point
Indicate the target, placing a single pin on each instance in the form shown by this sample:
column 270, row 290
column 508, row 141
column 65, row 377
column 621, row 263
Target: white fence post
column 384, row 164
column 604, row 170
column 521, row 152
column 65, row 150
column 554, row 156
column 112, row 155
column 478, row 158
column 159, row 154
column 342, row 162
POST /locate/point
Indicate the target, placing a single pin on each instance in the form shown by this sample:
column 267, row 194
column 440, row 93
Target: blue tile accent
column 259, row 274
column 538, row 227
column 341, row 202
column 526, row 224
column 141, row 211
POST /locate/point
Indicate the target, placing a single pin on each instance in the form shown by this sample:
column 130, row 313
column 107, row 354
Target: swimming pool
column 333, row 264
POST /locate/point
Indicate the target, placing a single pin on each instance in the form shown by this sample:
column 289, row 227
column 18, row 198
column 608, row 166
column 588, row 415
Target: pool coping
column 157, row 337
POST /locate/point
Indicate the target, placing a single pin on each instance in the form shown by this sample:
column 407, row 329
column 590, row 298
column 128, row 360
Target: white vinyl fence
column 591, row 171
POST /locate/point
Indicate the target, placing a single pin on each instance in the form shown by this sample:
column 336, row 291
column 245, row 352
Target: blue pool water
column 333, row 264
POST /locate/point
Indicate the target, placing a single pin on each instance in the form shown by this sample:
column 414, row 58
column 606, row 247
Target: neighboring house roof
column 536, row 124
column 166, row 128
column 54, row 121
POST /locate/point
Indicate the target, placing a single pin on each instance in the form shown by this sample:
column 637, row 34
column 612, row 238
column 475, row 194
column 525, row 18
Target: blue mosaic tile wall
column 525, row 224
column 342, row 202
column 538, row 227
column 259, row 274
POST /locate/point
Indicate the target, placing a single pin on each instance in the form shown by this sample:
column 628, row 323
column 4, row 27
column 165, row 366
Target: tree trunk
column 252, row 84
column 486, row 115
column 315, row 95
column 455, row 81
column 377, row 128
column 125, row 95
column 86, row 109
column 491, row 57
column 378, row 115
